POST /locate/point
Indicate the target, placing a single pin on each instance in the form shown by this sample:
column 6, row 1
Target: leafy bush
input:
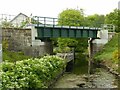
column 64, row 45
column 31, row 73
column 14, row 56
column 115, row 56
column 61, row 50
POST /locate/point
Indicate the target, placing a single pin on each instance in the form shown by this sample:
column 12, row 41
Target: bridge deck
column 48, row 28
column 65, row 31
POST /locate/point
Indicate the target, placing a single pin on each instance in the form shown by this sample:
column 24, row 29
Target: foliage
column 23, row 23
column 29, row 21
column 61, row 50
column 70, row 17
column 81, row 45
column 31, row 73
column 6, row 24
column 64, row 45
column 112, row 18
column 108, row 55
column 94, row 20
column 108, row 49
column 115, row 56
column 13, row 56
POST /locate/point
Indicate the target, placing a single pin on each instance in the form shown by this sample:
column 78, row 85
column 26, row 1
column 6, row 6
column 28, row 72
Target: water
column 103, row 79
column 78, row 78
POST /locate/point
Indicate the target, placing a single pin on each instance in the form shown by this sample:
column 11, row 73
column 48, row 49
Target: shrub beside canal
column 31, row 73
column 109, row 54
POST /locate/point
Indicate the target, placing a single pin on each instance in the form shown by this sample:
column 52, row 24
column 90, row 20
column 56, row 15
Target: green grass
column 107, row 52
column 13, row 56
column 106, row 55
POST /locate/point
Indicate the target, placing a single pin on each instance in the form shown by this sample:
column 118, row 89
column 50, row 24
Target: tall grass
column 107, row 52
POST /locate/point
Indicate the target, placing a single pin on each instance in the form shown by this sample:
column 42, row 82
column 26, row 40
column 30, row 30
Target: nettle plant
column 31, row 73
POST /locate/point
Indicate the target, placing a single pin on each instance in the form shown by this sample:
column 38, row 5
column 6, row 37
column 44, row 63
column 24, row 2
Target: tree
column 64, row 44
column 71, row 17
column 94, row 20
column 113, row 18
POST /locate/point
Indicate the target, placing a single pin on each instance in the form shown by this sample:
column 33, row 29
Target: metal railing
column 55, row 22
column 109, row 27
column 6, row 17
column 52, row 21
column 46, row 21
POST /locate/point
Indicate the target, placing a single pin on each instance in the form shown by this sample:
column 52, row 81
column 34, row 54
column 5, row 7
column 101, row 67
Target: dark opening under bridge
column 48, row 28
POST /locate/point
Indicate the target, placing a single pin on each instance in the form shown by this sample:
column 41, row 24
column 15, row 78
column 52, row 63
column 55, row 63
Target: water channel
column 78, row 78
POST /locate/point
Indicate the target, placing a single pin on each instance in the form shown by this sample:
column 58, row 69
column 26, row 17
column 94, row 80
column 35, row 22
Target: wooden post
column 90, row 55
column 73, row 51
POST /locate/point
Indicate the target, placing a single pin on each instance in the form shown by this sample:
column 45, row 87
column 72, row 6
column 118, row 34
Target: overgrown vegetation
column 31, row 73
column 109, row 54
column 64, row 45
column 71, row 17
column 12, row 56
column 6, row 24
column 113, row 18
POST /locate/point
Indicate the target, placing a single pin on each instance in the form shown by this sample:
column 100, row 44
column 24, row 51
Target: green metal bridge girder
column 48, row 27
column 67, row 32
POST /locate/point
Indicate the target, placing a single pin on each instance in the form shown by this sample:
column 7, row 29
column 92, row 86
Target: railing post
column 44, row 21
column 38, row 21
column 53, row 22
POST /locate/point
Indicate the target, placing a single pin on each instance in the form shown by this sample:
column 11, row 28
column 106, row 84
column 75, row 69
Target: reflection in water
column 78, row 78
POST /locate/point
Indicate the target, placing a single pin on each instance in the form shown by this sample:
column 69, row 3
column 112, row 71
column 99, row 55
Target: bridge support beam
column 39, row 47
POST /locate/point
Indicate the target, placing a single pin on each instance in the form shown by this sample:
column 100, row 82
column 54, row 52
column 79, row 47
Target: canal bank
column 79, row 77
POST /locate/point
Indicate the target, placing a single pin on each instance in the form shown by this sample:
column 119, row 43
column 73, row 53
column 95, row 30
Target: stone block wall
column 17, row 38
column 21, row 40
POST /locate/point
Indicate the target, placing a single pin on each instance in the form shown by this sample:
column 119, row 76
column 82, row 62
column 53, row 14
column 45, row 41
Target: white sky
column 51, row 8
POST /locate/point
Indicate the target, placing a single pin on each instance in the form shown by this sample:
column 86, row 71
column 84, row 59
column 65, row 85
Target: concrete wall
column 21, row 40
column 98, row 44
column 39, row 50
column 110, row 35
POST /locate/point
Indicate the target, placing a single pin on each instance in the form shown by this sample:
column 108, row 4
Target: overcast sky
column 51, row 8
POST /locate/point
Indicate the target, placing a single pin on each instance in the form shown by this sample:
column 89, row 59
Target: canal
column 79, row 77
